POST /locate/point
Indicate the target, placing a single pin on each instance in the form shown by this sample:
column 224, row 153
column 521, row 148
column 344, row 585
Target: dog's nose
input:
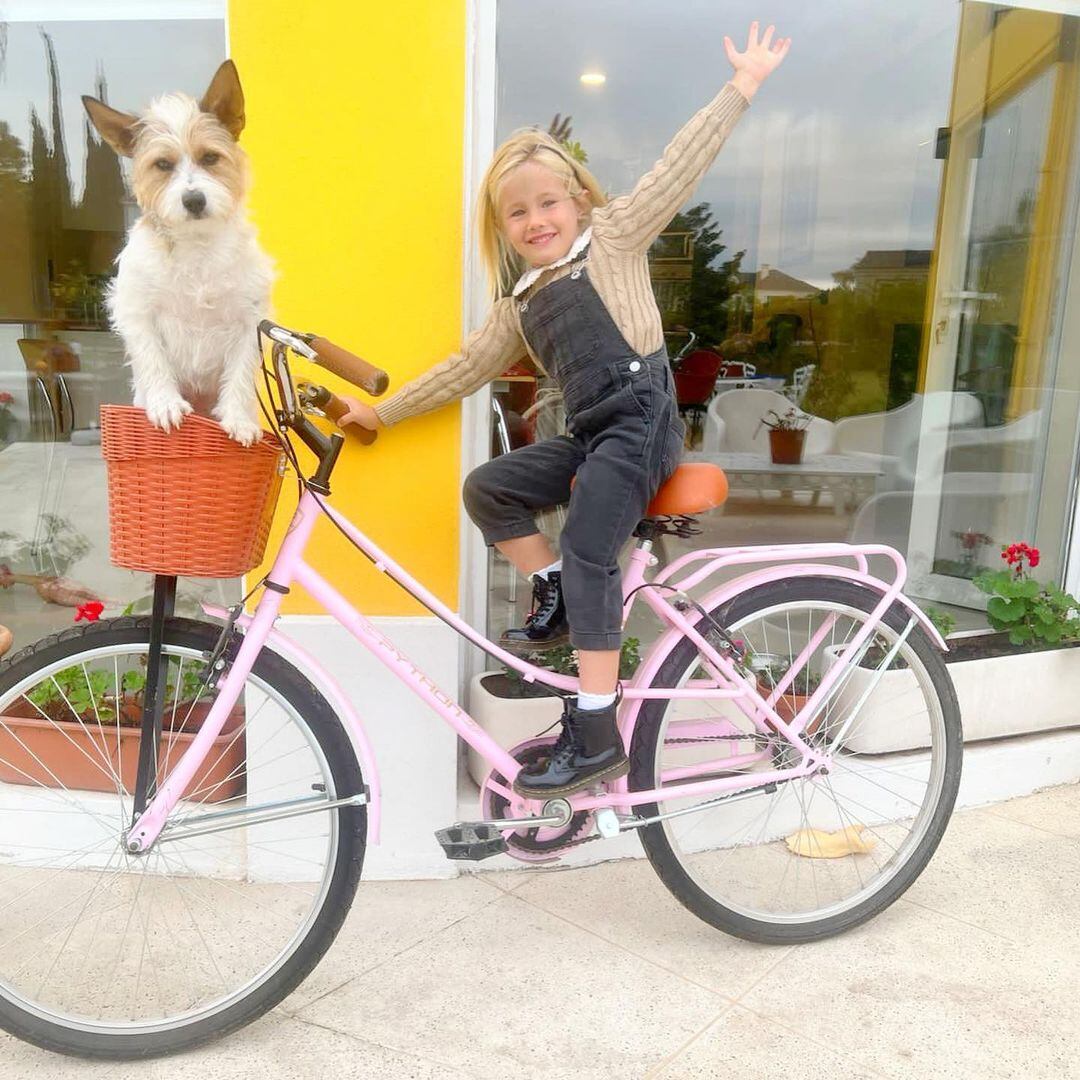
column 194, row 202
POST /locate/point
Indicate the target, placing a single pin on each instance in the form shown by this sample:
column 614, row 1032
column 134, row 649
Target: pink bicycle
column 794, row 739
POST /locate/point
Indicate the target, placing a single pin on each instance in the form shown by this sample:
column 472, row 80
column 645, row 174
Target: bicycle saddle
column 691, row 489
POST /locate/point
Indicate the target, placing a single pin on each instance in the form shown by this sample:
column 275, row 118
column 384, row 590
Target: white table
column 750, row 382
column 849, row 479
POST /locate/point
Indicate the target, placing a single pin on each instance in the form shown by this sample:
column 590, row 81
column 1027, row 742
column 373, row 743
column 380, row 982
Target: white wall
column 415, row 750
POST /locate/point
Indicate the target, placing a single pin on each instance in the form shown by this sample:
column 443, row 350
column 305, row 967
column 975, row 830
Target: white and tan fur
column 192, row 283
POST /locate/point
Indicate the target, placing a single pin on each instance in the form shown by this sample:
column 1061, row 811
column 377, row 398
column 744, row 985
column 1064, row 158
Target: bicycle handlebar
column 333, row 357
column 333, row 407
column 351, row 368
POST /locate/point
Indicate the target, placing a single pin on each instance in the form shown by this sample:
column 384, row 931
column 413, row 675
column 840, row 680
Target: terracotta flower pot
column 786, row 446
column 36, row 751
column 788, row 704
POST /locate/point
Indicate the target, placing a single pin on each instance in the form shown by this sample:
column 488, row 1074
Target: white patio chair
column 733, row 424
column 891, row 438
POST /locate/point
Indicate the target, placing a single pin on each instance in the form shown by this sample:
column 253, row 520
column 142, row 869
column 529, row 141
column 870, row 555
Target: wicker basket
column 190, row 502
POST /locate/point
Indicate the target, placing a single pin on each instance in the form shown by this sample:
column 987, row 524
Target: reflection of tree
column 864, row 334
column 561, row 129
column 54, row 240
column 873, row 337
column 711, row 286
column 14, row 223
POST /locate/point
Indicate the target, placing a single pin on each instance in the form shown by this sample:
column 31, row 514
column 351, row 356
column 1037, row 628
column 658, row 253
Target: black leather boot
column 591, row 751
column 546, row 625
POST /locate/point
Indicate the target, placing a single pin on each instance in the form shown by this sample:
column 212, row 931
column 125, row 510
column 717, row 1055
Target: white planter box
column 998, row 696
column 509, row 721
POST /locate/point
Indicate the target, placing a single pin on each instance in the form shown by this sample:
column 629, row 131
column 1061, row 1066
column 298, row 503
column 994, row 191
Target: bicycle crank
column 476, row 840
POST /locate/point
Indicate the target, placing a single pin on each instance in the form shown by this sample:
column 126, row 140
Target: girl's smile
column 538, row 218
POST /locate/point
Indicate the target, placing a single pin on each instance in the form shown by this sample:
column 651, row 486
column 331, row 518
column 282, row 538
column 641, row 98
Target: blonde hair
column 529, row 144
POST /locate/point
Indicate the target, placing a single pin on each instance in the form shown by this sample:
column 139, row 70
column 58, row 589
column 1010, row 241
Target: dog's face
column 187, row 168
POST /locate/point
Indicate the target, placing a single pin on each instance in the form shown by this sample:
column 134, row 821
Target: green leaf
column 1020, row 635
column 993, row 582
column 1004, row 610
column 1045, row 614
column 133, row 681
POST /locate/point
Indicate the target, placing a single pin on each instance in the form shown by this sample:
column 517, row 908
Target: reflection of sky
column 835, row 156
column 139, row 60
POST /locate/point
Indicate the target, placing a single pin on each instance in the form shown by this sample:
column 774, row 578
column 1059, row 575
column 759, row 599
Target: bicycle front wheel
column 813, row 856
column 112, row 955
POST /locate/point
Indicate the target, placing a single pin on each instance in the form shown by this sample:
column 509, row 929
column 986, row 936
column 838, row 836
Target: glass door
column 993, row 399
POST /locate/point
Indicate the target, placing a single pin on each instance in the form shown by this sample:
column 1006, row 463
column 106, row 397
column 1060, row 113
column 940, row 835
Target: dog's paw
column 166, row 412
column 241, row 429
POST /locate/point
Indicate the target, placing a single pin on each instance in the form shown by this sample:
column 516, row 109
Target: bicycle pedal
column 470, row 842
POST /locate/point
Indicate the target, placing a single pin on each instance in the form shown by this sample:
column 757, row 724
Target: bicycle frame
column 682, row 619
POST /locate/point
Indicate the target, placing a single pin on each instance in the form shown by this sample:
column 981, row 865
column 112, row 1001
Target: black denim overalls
column 625, row 439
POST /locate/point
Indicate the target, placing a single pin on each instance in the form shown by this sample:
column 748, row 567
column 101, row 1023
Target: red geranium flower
column 6, row 398
column 90, row 611
column 1016, row 554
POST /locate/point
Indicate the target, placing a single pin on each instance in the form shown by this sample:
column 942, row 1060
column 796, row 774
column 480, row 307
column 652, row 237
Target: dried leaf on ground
column 816, row 844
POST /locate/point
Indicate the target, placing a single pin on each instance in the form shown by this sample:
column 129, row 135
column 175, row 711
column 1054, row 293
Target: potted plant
column 1022, row 676
column 787, row 434
column 76, row 730
column 769, row 670
column 512, row 710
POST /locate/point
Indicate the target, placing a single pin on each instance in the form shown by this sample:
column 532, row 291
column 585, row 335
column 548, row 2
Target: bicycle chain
column 705, row 738
column 745, row 737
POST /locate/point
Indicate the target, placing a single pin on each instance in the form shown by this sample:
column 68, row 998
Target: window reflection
column 869, row 248
column 64, row 209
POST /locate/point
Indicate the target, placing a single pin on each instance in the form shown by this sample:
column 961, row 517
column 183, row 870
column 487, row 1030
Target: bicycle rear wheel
column 818, row 855
column 106, row 954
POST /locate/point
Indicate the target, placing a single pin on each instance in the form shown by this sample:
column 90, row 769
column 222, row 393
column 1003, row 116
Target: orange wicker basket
column 191, row 501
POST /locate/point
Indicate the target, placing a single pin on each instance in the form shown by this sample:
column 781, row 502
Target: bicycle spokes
column 836, row 821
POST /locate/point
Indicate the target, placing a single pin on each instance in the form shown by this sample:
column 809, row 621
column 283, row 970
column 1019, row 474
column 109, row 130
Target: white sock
column 594, row 701
column 556, row 565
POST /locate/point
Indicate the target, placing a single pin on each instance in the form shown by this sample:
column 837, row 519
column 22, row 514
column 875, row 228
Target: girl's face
column 538, row 217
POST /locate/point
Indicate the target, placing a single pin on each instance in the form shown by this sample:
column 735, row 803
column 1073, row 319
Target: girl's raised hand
column 761, row 58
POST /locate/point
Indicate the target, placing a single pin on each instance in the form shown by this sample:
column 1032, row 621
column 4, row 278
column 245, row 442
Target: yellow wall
column 355, row 115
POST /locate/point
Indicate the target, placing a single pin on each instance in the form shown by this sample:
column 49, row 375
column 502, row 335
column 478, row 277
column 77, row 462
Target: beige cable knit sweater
column 618, row 268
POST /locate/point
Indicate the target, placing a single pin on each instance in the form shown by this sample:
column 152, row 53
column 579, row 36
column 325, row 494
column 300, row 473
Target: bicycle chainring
column 532, row 845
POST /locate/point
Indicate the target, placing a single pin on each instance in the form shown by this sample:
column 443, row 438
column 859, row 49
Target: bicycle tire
column 673, row 870
column 350, row 827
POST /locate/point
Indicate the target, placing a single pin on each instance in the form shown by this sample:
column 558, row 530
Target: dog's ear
column 116, row 128
column 225, row 100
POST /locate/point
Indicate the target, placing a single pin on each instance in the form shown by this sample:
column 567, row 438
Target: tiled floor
column 598, row 972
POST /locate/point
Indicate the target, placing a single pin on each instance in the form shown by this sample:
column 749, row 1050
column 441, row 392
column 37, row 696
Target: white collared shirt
column 578, row 246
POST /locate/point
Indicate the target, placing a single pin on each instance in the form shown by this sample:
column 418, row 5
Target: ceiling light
column 593, row 78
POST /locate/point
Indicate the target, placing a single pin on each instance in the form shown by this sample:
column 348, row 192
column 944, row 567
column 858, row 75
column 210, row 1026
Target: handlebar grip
column 351, row 368
column 335, row 408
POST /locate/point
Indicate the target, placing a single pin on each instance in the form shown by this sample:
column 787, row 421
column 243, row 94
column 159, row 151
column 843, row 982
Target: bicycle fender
column 329, row 687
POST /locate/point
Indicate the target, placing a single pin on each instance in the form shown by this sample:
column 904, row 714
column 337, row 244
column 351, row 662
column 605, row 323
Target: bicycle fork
column 151, row 826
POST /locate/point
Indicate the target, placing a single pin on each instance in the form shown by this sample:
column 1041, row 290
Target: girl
column 584, row 310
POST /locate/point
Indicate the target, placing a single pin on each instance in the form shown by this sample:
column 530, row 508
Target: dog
column 192, row 282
